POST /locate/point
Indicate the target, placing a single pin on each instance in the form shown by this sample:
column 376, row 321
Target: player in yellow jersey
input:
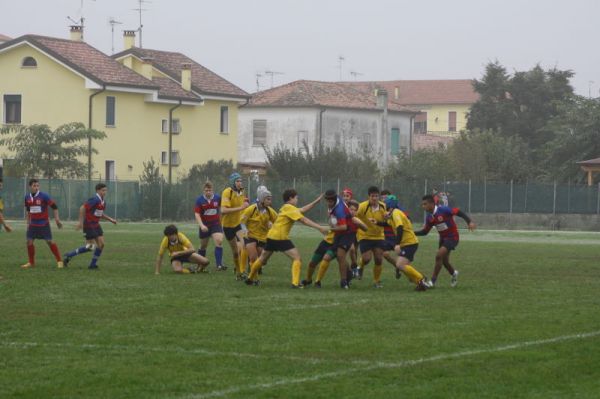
column 258, row 219
column 2, row 222
column 322, row 255
column 406, row 244
column 233, row 202
column 181, row 251
column 278, row 238
column 371, row 242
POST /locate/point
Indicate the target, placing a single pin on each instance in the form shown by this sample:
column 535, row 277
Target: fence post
column 484, row 194
column 469, row 195
column 338, row 185
column 294, row 183
column 160, row 202
column 554, row 200
column 425, row 187
column 116, row 198
column 24, row 194
column 569, row 196
column 321, row 208
column 598, row 201
column 511, row 197
column 69, row 199
column 526, row 184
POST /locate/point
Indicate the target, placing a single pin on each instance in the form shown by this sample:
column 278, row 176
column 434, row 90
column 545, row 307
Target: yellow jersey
column 329, row 237
column 288, row 214
column 182, row 244
column 257, row 221
column 399, row 218
column 231, row 199
column 366, row 212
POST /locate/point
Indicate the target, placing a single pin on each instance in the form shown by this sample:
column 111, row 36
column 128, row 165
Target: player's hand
column 113, row 221
column 324, row 230
column 245, row 205
column 372, row 220
column 472, row 226
column 204, row 229
column 397, row 249
column 59, row 224
column 7, row 228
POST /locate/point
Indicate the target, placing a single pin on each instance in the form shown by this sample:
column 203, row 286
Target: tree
column 212, row 170
column 150, row 185
column 42, row 151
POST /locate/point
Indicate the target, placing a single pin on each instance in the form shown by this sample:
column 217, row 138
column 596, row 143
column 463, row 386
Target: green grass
column 508, row 330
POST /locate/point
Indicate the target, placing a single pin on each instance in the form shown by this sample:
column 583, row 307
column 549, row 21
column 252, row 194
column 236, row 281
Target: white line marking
column 382, row 365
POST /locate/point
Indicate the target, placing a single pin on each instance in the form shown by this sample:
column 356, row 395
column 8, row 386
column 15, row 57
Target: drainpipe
column 410, row 137
column 90, row 106
column 171, row 139
column 321, row 111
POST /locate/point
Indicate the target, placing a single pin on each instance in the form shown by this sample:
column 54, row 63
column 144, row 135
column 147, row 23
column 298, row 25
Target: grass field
column 524, row 322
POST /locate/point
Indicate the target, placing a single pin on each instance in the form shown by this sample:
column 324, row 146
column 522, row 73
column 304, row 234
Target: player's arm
column 200, row 223
column 159, row 259
column 310, row 206
column 360, row 224
column 106, row 217
column 307, row 222
column 459, row 213
column 55, row 213
column 3, row 223
column 424, row 230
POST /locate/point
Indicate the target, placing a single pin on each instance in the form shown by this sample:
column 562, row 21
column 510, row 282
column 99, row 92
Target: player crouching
column 181, row 251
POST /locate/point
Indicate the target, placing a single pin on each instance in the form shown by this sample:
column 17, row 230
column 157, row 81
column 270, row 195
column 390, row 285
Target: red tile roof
column 307, row 93
column 99, row 67
column 427, row 92
column 590, row 162
column 4, row 38
column 204, row 81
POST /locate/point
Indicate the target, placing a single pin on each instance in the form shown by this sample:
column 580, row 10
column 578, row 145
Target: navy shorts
column 279, row 245
column 181, row 258
column 231, row 232
column 249, row 240
column 323, row 247
column 343, row 241
column 39, row 232
column 449, row 244
column 91, row 233
column 390, row 243
column 215, row 228
column 409, row 251
column 369, row 245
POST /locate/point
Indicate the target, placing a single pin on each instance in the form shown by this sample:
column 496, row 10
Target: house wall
column 54, row 95
column 437, row 116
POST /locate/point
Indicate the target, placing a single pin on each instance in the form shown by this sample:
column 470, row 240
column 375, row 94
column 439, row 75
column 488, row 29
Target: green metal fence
column 131, row 200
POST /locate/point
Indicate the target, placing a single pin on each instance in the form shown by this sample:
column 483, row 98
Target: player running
column 278, row 238
column 233, row 202
column 90, row 214
column 181, row 250
column 38, row 224
column 258, row 219
column 207, row 212
column 442, row 218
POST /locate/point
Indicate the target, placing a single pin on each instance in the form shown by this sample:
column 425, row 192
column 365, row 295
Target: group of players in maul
column 378, row 227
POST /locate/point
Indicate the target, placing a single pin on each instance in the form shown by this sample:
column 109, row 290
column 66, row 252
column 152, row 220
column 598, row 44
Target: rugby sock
column 296, row 269
column 185, row 271
column 202, row 252
column 377, row 273
column 254, row 269
column 95, row 257
column 54, row 249
column 31, row 254
column 310, row 271
column 243, row 260
column 412, row 274
column 218, row 255
column 80, row 250
column 323, row 266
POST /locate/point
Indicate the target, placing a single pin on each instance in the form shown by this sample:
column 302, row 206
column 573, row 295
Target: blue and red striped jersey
column 94, row 210
column 340, row 215
column 442, row 219
column 37, row 207
column 209, row 209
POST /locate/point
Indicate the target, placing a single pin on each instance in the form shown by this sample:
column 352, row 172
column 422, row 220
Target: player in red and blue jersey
column 442, row 218
column 208, row 215
column 90, row 214
column 38, row 225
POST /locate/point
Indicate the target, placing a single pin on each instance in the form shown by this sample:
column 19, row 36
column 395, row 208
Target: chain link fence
column 132, row 200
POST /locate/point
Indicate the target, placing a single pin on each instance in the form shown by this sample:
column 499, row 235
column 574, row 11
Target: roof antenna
column 258, row 76
column 271, row 74
column 112, row 23
column 341, row 60
column 81, row 19
column 140, row 9
column 355, row 74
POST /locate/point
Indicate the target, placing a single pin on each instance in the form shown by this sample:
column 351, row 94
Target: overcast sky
column 303, row 39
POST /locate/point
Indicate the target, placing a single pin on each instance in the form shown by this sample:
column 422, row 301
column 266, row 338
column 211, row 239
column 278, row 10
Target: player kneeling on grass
column 181, row 251
column 442, row 218
column 278, row 237
column 406, row 244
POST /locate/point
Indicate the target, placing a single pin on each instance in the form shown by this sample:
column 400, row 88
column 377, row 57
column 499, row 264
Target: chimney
column 128, row 39
column 77, row 33
column 396, row 92
column 382, row 99
column 147, row 68
column 186, row 76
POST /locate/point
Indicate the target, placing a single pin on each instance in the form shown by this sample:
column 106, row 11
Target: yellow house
column 55, row 81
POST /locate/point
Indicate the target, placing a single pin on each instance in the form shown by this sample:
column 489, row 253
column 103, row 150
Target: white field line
column 382, row 365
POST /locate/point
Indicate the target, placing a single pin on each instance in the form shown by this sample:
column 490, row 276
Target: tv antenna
column 258, row 76
column 341, row 60
column 140, row 9
column 271, row 74
column 355, row 74
column 81, row 18
column 112, row 23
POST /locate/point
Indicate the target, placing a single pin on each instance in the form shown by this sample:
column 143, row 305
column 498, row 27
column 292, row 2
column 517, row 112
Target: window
column 176, row 126
column 224, row 119
column 174, row 158
column 395, row 142
column 109, row 168
column 452, row 121
column 29, row 62
column 421, row 123
column 110, row 111
column 259, row 132
column 12, row 108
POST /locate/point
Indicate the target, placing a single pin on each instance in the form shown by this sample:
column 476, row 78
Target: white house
column 324, row 113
